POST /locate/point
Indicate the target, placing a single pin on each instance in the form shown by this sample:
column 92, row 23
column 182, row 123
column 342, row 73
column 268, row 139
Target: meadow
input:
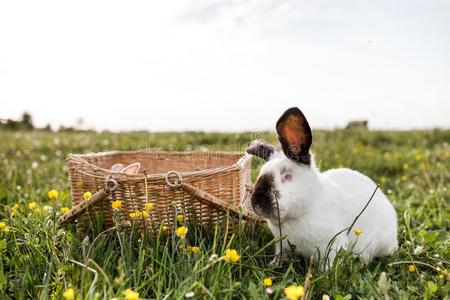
column 41, row 260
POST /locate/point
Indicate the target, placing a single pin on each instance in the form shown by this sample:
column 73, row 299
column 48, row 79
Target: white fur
column 315, row 206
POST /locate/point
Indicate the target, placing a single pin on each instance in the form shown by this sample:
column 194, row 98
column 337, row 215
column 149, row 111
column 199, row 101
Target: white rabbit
column 314, row 206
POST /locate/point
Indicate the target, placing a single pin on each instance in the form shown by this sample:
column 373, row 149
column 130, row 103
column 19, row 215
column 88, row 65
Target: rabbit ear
column 117, row 167
column 260, row 148
column 295, row 135
column 131, row 169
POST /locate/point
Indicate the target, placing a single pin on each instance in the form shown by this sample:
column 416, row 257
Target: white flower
column 190, row 295
column 47, row 209
column 418, row 250
column 213, row 257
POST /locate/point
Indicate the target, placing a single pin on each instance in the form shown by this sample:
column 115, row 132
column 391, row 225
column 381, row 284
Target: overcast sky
column 226, row 65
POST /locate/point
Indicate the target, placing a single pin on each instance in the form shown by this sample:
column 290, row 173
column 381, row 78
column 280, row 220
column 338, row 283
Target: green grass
column 41, row 260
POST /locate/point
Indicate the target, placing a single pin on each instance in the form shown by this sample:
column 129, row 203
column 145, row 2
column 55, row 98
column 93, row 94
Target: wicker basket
column 207, row 187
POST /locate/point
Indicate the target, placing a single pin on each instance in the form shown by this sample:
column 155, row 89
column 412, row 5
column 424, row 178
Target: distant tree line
column 26, row 123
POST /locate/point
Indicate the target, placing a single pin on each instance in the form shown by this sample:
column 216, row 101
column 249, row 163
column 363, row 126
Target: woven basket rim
column 82, row 158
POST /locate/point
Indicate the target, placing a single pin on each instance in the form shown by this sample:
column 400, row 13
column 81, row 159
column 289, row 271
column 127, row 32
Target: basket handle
column 206, row 197
column 110, row 186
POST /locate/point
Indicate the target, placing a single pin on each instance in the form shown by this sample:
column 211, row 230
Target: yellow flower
column 405, row 166
column 14, row 209
column 87, row 195
column 357, row 232
column 53, row 194
column 64, row 209
column 411, row 268
column 7, row 229
column 423, row 166
column 138, row 214
column 180, row 218
column 117, row 280
column 267, row 282
column 404, row 178
column 195, row 249
column 129, row 294
column 32, row 205
column 69, row 294
column 165, row 228
column 149, row 207
column 294, row 292
column 2, row 225
column 383, row 179
column 418, row 157
column 116, row 204
column 181, row 231
column 231, row 255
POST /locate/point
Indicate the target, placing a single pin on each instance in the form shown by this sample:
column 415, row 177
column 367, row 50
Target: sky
column 225, row 65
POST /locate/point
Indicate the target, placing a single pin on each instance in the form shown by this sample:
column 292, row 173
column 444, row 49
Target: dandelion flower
column 32, row 205
column 64, row 209
column 87, row 195
column 180, row 218
column 149, row 207
column 165, row 228
column 69, row 294
column 411, row 268
column 53, row 194
column 294, row 292
column 418, row 157
column 195, row 249
column 14, row 209
column 357, row 232
column 138, row 214
column 181, row 231
column 423, row 166
column 129, row 294
column 116, row 204
column 231, row 255
column 2, row 225
column 267, row 282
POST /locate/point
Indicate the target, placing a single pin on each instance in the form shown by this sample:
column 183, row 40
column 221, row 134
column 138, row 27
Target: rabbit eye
column 286, row 175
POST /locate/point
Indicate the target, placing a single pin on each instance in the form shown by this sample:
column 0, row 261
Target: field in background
column 41, row 260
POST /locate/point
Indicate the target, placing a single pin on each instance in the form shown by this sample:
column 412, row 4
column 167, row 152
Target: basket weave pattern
column 222, row 174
